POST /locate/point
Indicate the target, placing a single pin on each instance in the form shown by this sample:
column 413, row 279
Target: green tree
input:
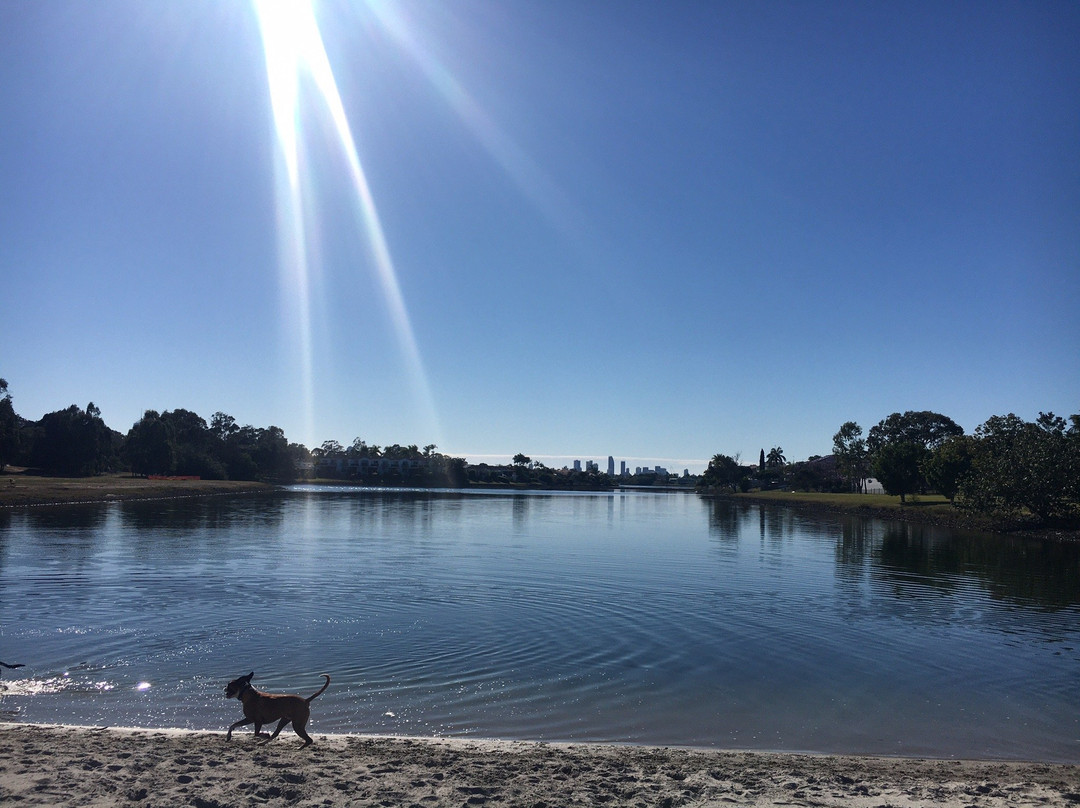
column 723, row 471
column 73, row 442
column 148, row 447
column 851, row 457
column 456, row 472
column 330, row 448
column 775, row 458
column 272, row 457
column 896, row 466
column 521, row 460
column 1019, row 465
column 223, row 426
column 238, row 452
column 945, row 467
column 10, row 427
column 925, row 428
column 196, row 447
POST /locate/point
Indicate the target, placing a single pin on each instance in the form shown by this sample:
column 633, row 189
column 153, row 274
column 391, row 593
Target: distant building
column 611, row 466
column 577, row 465
column 622, row 469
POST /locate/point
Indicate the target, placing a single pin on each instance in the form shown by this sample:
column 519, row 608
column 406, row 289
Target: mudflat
column 80, row 766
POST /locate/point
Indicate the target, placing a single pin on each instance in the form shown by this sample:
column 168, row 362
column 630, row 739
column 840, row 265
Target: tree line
column 1006, row 468
column 76, row 442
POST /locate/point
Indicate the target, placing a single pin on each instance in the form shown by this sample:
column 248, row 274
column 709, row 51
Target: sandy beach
column 60, row 766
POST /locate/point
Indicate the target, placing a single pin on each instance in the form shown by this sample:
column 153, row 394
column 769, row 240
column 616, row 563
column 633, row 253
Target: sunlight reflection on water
column 618, row 617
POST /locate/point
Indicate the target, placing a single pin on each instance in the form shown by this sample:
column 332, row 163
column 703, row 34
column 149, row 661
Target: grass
column 23, row 489
column 932, row 502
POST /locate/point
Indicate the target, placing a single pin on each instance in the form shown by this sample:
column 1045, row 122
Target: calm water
column 633, row 617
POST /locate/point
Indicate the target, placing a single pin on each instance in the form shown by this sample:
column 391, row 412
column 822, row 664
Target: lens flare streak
column 294, row 48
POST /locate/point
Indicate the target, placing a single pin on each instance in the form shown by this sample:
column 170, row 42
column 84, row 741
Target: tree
column 360, row 448
column 331, row 448
column 723, row 471
column 775, row 458
column 196, row 448
column 10, row 427
column 1019, row 465
column 148, row 447
column 223, row 426
column 924, row 428
column 946, row 466
column 271, row 455
column 456, row 474
column 761, row 461
column 896, row 465
column 521, row 460
column 72, row 442
column 850, row 450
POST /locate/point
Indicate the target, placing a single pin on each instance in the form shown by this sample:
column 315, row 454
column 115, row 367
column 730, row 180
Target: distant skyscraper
column 577, row 465
column 610, row 466
column 622, row 468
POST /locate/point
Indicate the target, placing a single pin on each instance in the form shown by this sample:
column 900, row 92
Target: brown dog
column 262, row 708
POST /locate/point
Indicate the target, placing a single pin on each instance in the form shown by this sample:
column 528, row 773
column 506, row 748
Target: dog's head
column 237, row 686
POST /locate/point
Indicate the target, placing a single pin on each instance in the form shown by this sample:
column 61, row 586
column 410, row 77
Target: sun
column 296, row 60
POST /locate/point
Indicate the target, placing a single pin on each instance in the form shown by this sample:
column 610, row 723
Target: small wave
column 46, row 686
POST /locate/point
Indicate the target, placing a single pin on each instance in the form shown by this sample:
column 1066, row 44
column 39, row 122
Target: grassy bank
column 20, row 489
column 930, row 509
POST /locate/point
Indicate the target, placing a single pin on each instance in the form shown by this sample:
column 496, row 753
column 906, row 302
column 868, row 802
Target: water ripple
column 648, row 619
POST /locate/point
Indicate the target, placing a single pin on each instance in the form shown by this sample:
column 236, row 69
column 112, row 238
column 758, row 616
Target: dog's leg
column 241, row 723
column 280, row 726
column 298, row 728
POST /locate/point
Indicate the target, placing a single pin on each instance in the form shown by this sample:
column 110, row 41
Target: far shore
column 68, row 766
column 931, row 510
column 20, row 489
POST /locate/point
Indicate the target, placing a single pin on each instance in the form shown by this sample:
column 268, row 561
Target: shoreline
column 933, row 515
column 48, row 764
column 23, row 491
column 18, row 490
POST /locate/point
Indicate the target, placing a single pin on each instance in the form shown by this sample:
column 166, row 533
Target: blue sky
column 570, row 229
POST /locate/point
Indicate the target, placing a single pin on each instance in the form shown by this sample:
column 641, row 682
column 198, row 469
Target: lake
column 637, row 617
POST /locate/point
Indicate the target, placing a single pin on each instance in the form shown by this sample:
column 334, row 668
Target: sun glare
column 531, row 181
column 294, row 51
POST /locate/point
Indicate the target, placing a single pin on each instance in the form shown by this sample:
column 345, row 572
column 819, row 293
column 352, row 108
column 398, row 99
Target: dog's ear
column 250, row 676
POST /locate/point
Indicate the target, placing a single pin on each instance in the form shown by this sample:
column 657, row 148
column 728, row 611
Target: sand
column 60, row 766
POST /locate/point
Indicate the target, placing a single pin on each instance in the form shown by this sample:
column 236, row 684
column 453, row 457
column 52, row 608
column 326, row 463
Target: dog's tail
column 310, row 699
column 12, row 667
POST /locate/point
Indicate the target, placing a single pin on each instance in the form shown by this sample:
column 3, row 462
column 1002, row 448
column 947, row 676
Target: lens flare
column 293, row 49
column 530, row 179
